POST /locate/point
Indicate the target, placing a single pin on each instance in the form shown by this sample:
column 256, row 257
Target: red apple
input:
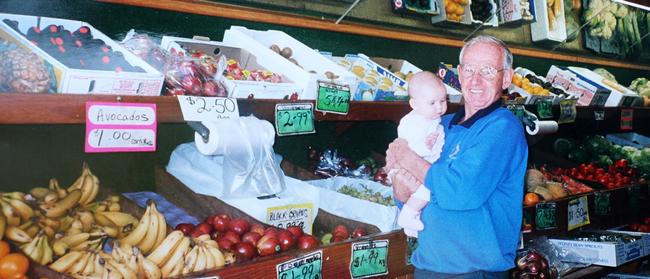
column 296, row 231
column 232, row 236
column 307, row 242
column 186, row 228
column 208, row 220
column 210, row 88
column 239, row 226
column 196, row 233
column 251, row 237
column 268, row 245
column 220, row 222
column 337, row 238
column 257, row 228
column 272, row 231
column 341, row 231
column 244, row 251
column 203, row 227
column 225, row 244
column 286, row 240
column 359, row 232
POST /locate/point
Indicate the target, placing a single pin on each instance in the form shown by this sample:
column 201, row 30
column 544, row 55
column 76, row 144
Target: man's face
column 482, row 76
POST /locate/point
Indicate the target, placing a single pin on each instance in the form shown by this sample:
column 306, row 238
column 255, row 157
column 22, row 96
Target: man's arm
column 399, row 153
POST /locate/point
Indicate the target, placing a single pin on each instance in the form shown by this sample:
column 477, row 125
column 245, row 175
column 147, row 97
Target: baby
column 421, row 128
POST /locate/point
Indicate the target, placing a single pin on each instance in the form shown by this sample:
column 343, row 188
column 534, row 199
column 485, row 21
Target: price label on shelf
column 333, row 97
column 197, row 108
column 369, row 258
column 578, row 213
column 294, row 119
column 545, row 216
column 291, row 215
column 567, row 111
column 627, row 119
column 120, row 127
column 544, row 109
column 601, row 203
column 308, row 266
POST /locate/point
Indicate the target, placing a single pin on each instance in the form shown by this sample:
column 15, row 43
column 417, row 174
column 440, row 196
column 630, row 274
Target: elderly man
column 472, row 223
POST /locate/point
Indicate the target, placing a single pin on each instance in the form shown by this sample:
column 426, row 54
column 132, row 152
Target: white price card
column 198, row 108
column 291, row 215
column 120, row 127
column 578, row 213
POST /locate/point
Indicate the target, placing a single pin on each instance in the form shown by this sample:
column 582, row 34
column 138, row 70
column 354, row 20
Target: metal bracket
column 200, row 129
column 348, row 11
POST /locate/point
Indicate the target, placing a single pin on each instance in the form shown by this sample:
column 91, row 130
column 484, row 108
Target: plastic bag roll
column 228, row 134
column 543, row 127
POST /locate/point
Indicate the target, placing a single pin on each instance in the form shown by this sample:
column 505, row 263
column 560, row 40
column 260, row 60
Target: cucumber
column 637, row 35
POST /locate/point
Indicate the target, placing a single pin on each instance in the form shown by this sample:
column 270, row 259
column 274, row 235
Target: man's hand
column 396, row 152
column 404, row 185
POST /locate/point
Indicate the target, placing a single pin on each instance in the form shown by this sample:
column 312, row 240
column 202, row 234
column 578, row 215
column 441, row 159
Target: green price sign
column 567, row 111
column 369, row 258
column 308, row 266
column 578, row 213
column 544, row 109
column 601, row 203
column 545, row 216
column 294, row 119
column 333, row 98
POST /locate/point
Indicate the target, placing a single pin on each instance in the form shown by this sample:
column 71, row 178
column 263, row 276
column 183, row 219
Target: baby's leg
column 409, row 216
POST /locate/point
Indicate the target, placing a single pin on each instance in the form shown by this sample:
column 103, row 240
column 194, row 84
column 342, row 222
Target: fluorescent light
column 633, row 4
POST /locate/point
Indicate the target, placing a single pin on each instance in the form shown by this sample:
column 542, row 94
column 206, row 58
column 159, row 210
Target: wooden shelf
column 301, row 21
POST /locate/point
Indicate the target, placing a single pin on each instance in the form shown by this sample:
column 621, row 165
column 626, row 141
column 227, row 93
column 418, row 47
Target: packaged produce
column 551, row 23
column 194, row 75
column 600, row 248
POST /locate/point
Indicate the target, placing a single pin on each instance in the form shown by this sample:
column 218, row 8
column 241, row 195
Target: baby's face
column 431, row 105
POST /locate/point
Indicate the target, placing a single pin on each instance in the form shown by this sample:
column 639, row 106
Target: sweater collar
column 460, row 114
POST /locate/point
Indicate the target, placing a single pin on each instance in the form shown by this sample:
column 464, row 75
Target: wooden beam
column 282, row 18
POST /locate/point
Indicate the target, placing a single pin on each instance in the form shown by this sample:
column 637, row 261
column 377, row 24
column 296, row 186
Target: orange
column 4, row 248
column 531, row 199
column 13, row 265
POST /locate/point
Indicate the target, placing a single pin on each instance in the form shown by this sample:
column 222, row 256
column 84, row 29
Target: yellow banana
column 62, row 206
column 178, row 254
column 209, row 259
column 201, row 260
column 98, row 267
column 26, row 225
column 162, row 227
column 89, row 269
column 149, row 268
column 24, row 210
column 3, row 225
column 119, row 219
column 33, row 230
column 14, row 195
column 51, row 198
column 60, row 248
column 229, row 257
column 65, row 222
column 107, row 231
column 114, row 207
column 46, row 250
column 86, row 189
column 75, row 239
column 95, row 188
column 219, row 260
column 13, row 217
column 48, row 222
column 48, row 231
column 54, row 186
column 177, row 270
column 94, row 244
column 30, row 248
column 113, row 198
column 148, row 243
column 191, row 258
column 80, row 264
column 162, row 253
column 66, row 261
column 17, row 235
column 78, row 182
column 39, row 192
column 140, row 231
column 126, row 272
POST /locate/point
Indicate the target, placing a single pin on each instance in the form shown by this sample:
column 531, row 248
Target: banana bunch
column 15, row 209
column 554, row 9
column 125, row 261
column 38, row 249
column 149, row 232
column 111, row 203
column 88, row 183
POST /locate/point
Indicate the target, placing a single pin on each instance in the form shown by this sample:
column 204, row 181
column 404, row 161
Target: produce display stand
column 336, row 256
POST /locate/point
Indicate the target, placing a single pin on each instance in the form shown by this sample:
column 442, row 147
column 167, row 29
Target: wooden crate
column 336, row 256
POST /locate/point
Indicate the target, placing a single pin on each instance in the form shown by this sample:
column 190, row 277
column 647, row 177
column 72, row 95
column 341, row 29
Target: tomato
column 13, row 264
column 531, row 199
column 4, row 248
column 622, row 163
column 611, row 185
column 603, row 180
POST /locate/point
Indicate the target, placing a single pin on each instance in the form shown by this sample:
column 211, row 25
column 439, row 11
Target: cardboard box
column 248, row 61
column 598, row 253
column 531, row 99
column 514, row 13
column 313, row 66
column 375, row 83
column 620, row 96
column 441, row 18
column 541, row 30
column 81, row 81
column 645, row 237
column 588, row 92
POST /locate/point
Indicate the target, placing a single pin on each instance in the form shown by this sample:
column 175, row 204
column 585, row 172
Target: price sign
column 196, row 108
column 601, row 203
column 294, row 119
column 627, row 119
column 308, row 266
column 291, row 215
column 333, row 98
column 545, row 216
column 567, row 111
column 544, row 109
column 120, row 127
column 369, row 258
column 578, row 213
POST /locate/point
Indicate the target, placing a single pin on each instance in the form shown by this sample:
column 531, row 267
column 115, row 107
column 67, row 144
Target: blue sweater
column 474, row 217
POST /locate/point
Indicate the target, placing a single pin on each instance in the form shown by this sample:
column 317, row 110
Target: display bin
column 336, row 256
column 85, row 81
column 599, row 253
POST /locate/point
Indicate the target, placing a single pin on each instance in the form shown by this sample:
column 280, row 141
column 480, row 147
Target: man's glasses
column 485, row 71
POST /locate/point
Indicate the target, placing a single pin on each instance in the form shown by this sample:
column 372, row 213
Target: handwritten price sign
column 369, row 258
column 578, row 213
column 196, row 108
column 294, row 119
column 120, row 127
column 291, row 215
column 333, row 98
column 308, row 266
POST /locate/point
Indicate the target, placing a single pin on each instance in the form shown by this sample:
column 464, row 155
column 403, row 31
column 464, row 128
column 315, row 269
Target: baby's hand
column 430, row 140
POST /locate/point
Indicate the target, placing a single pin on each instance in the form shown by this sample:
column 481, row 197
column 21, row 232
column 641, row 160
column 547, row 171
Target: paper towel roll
column 212, row 146
column 238, row 134
column 543, row 127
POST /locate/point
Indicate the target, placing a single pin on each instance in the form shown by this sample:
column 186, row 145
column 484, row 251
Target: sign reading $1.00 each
column 120, row 127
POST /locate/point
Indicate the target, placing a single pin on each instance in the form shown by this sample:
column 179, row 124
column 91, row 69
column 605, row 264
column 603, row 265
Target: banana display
column 554, row 9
